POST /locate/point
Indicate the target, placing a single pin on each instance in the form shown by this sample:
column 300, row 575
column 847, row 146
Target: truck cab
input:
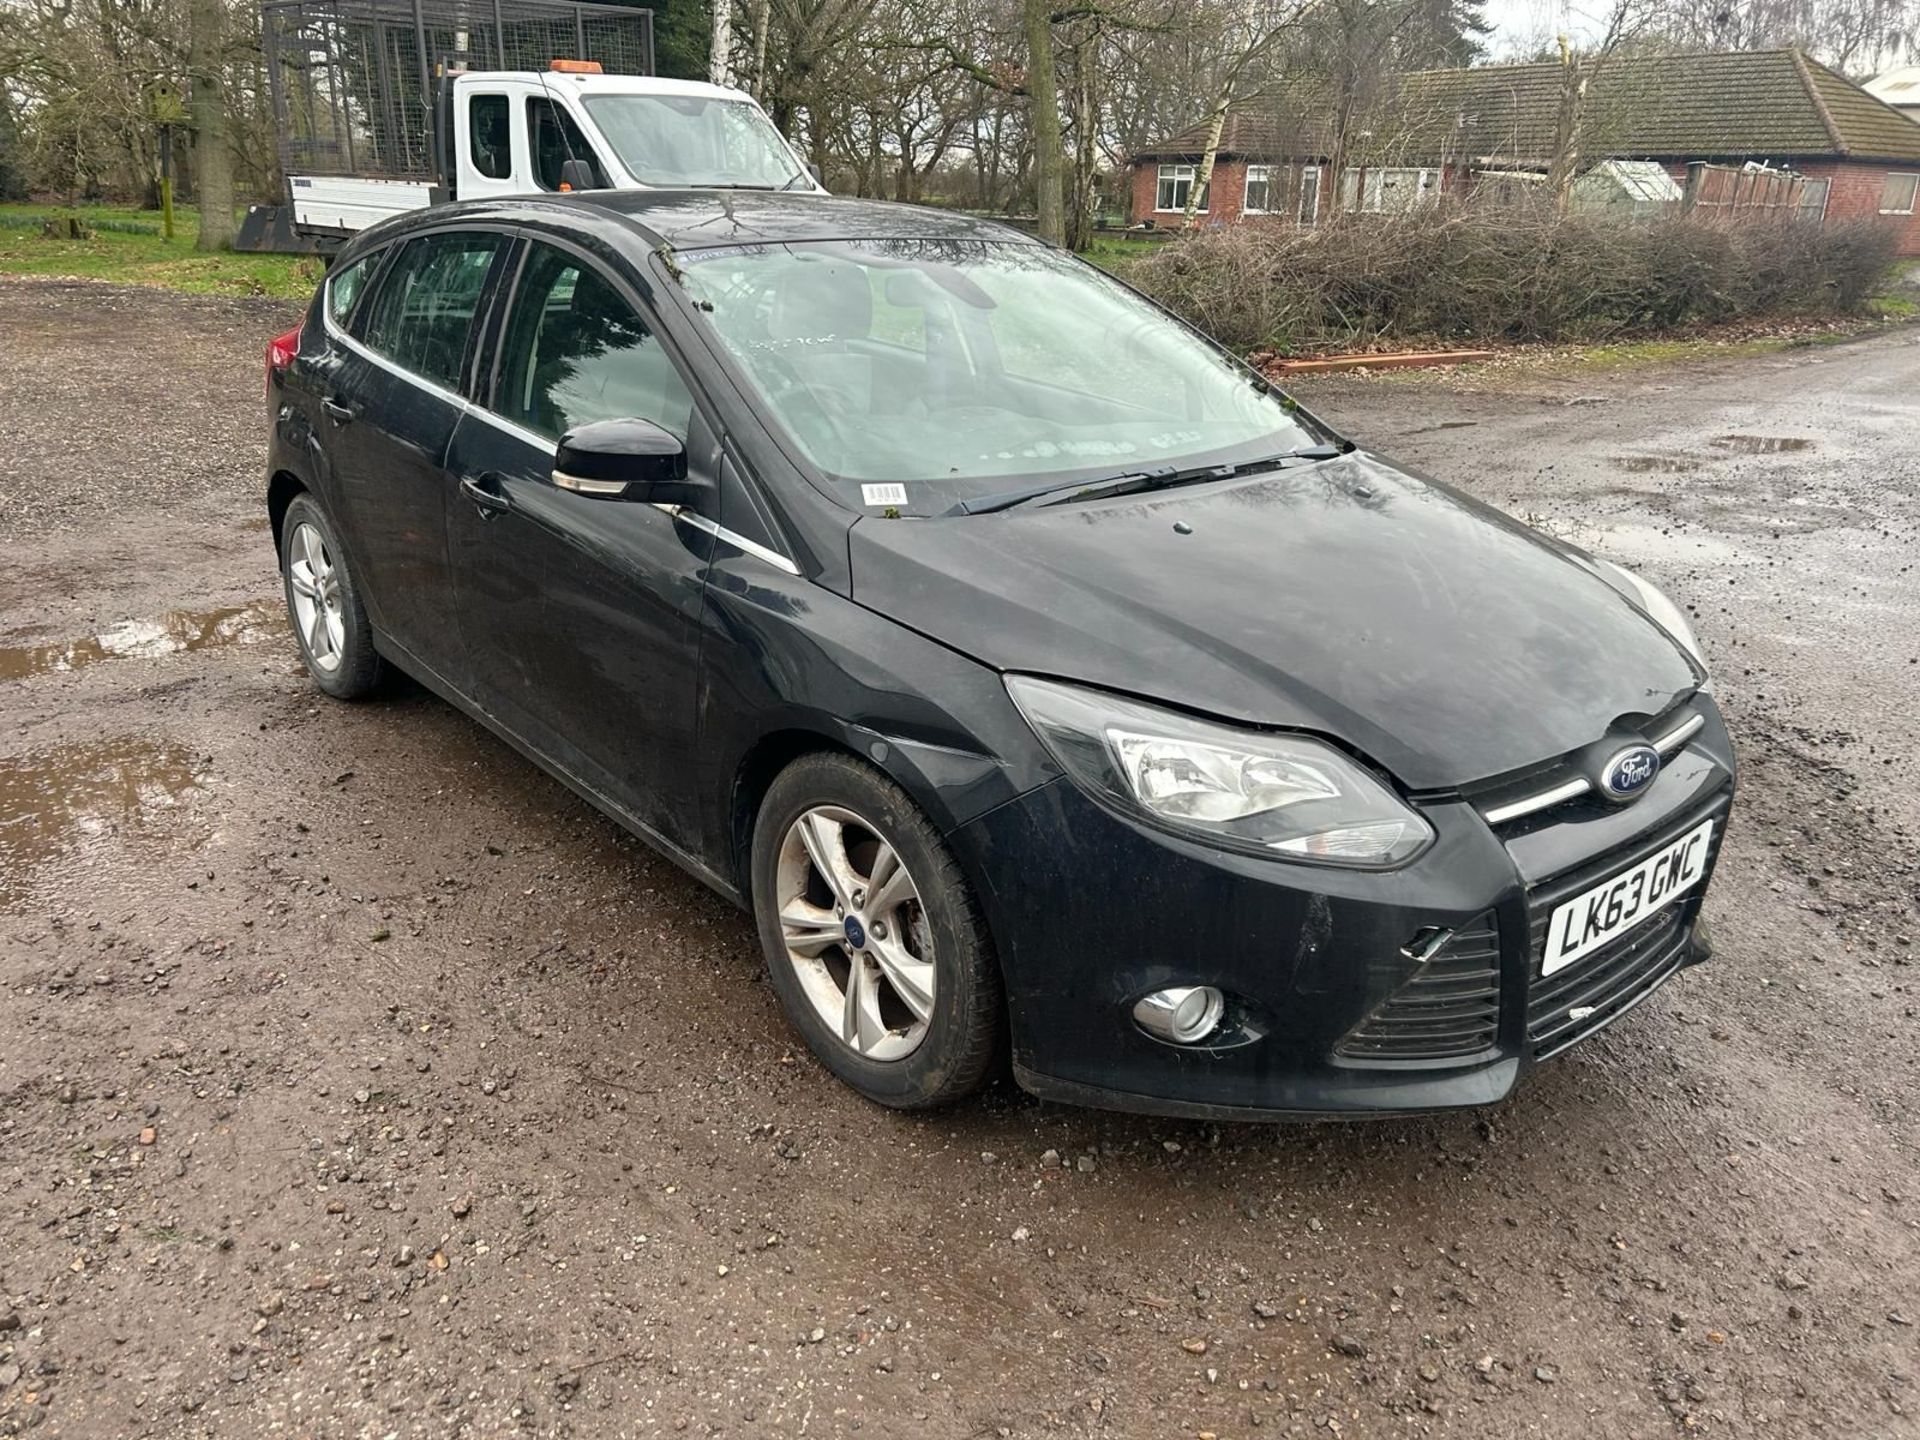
column 514, row 132
column 524, row 132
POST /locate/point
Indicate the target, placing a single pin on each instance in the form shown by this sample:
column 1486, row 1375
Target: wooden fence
column 1742, row 193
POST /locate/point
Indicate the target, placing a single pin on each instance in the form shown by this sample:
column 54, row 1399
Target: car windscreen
column 914, row 374
column 693, row 140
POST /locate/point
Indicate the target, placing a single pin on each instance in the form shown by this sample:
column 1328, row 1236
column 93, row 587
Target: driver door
column 579, row 612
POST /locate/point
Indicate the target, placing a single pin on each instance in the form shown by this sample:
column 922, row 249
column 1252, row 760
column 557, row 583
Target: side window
column 575, row 352
column 556, row 140
column 491, row 136
column 425, row 308
column 345, row 284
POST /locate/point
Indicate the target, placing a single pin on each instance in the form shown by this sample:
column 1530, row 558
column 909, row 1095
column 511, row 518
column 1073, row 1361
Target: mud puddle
column 178, row 632
column 1763, row 444
column 1657, row 464
column 54, row 801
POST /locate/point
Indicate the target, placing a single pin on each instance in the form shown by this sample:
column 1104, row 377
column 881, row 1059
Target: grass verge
column 128, row 249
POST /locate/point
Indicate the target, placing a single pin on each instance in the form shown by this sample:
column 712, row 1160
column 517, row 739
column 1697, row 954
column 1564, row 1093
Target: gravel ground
column 355, row 1080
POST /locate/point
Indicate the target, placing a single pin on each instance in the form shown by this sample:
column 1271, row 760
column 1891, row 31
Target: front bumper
column 1328, row 1013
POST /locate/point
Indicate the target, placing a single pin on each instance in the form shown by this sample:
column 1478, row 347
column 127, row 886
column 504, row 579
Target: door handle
column 485, row 493
column 336, row 412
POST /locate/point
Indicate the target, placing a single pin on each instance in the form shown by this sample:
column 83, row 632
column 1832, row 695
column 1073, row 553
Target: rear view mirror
column 625, row 460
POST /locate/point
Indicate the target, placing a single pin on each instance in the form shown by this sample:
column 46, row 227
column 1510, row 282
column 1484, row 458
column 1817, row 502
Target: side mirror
column 577, row 175
column 625, row 460
column 814, row 171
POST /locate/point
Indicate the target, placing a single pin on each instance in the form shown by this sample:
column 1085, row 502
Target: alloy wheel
column 317, row 602
column 856, row 933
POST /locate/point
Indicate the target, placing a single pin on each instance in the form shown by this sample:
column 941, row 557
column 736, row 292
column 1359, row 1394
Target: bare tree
column 720, row 49
column 1259, row 30
column 1858, row 36
column 1627, row 19
column 207, row 110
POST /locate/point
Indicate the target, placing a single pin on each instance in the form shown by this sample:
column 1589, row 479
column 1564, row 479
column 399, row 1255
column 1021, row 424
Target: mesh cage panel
column 353, row 80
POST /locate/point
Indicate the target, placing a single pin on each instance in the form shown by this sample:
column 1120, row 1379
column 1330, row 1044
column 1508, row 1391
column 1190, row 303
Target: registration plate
column 1615, row 906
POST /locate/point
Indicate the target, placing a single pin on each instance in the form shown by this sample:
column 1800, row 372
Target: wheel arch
column 755, row 774
column 282, row 490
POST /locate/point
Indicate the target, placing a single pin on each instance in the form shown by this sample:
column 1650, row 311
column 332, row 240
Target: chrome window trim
column 739, row 542
column 480, row 412
column 365, row 352
column 519, row 432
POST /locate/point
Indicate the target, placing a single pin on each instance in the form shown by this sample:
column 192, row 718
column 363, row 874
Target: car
column 1050, row 687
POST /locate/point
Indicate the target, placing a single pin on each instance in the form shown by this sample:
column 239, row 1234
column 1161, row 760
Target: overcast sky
column 1520, row 26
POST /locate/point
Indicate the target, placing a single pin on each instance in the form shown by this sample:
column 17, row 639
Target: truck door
column 555, row 137
column 491, row 151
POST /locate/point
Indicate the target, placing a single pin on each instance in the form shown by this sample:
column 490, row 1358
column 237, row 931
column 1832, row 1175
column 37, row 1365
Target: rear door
column 416, row 332
column 579, row 612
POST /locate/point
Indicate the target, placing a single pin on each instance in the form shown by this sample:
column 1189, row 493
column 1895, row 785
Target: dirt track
column 355, row 1080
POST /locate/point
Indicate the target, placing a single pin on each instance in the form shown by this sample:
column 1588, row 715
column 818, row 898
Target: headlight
column 1267, row 793
column 1650, row 598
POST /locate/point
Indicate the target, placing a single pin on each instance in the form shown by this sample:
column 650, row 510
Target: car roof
column 699, row 219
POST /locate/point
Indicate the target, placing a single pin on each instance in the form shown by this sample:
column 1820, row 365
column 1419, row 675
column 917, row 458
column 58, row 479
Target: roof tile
column 1763, row 104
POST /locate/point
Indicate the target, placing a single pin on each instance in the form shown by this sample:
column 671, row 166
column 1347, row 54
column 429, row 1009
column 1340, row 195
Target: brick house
column 1450, row 131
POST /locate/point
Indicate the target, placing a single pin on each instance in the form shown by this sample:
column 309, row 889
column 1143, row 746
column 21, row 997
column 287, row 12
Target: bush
column 1484, row 272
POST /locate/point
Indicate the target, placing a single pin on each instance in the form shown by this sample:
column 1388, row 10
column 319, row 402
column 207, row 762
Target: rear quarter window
column 345, row 285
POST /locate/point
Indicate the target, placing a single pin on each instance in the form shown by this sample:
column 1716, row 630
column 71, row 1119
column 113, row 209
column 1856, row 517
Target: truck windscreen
column 694, row 140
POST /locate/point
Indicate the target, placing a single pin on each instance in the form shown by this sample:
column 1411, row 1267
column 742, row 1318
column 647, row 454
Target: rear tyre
column 874, row 942
column 323, row 605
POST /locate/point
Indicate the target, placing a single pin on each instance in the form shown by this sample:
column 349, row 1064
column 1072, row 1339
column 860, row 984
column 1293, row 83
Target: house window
column 1175, row 188
column 1389, row 189
column 1813, row 199
column 1897, row 194
column 1259, row 190
column 1309, row 194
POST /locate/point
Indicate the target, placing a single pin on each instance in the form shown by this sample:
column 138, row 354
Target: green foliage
column 1503, row 272
column 126, row 247
column 682, row 35
column 13, row 171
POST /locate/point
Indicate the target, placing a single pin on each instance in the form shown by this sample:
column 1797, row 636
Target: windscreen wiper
column 1133, row 482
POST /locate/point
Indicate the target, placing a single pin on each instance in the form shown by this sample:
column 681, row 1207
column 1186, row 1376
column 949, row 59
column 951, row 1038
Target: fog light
column 1184, row 1014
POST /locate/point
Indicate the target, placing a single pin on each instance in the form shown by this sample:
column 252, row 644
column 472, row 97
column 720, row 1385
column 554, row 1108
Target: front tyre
column 873, row 941
column 324, row 606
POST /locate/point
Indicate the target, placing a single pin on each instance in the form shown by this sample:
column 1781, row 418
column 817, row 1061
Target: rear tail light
column 280, row 352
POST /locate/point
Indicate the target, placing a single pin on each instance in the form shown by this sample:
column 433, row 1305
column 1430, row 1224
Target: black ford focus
column 1043, row 680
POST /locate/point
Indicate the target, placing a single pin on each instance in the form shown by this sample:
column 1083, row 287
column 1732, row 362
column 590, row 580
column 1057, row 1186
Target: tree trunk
column 1080, row 222
column 1566, row 129
column 207, row 109
column 762, row 22
column 1333, row 175
column 1048, row 161
column 1216, row 123
column 720, row 49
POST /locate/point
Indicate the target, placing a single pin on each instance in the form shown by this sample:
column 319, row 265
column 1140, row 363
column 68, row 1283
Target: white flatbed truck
column 381, row 109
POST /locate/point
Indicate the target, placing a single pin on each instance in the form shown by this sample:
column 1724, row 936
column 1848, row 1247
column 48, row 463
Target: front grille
column 1603, row 985
column 1606, row 984
column 1449, row 1009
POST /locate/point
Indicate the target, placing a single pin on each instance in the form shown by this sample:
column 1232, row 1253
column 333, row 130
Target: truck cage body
column 354, row 82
